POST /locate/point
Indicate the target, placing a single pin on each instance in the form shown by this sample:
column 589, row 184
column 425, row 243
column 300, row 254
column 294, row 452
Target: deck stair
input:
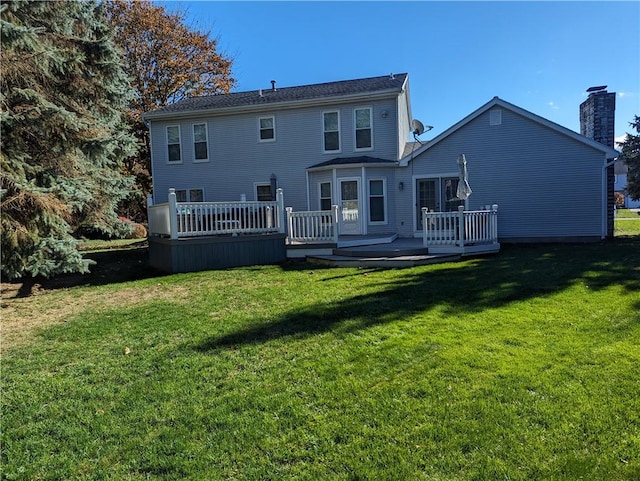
column 399, row 253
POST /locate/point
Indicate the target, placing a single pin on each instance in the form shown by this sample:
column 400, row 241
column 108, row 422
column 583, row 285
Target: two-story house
column 331, row 143
column 349, row 143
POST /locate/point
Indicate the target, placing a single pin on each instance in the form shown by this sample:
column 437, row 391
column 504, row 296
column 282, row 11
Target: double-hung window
column 190, row 195
column 173, row 143
column 331, row 126
column 364, row 137
column 377, row 207
column 200, row 147
column 325, row 196
column 267, row 129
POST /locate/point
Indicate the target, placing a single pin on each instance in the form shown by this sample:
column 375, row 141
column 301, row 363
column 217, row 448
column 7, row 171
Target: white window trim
column 193, row 133
column 166, row 136
column 320, row 193
column 324, row 151
column 259, row 184
column 355, row 141
column 385, row 198
column 260, row 139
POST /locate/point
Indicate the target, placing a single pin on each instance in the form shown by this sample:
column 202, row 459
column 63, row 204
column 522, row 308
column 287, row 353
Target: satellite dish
column 418, row 127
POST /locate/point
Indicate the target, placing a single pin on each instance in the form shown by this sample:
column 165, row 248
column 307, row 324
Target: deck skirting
column 215, row 252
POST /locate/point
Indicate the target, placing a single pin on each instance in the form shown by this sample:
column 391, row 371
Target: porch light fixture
column 384, row 114
column 401, row 186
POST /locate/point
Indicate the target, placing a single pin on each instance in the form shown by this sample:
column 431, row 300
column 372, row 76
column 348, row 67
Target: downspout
column 603, row 227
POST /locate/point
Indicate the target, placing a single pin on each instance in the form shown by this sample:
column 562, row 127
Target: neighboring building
column 348, row 143
column 620, row 185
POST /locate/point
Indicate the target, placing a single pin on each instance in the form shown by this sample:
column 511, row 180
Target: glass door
column 438, row 195
column 350, row 207
column 426, row 196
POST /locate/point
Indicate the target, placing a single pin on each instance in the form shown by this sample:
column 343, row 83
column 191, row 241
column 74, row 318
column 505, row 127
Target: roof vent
column 273, row 85
column 260, row 92
column 392, row 77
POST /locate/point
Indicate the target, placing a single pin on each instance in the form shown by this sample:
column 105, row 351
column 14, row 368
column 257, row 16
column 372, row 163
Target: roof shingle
column 287, row 94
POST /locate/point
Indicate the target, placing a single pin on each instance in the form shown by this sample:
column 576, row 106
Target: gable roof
column 283, row 97
column 498, row 102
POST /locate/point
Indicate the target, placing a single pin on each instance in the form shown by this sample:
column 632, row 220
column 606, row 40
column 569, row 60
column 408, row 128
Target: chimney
column 273, row 86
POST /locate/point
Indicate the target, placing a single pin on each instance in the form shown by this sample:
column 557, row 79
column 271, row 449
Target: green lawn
column 627, row 214
column 627, row 223
column 520, row 366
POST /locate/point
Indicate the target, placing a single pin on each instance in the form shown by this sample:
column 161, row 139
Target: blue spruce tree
column 63, row 92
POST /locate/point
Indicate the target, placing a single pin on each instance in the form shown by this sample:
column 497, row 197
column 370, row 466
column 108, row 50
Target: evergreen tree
column 62, row 94
column 631, row 157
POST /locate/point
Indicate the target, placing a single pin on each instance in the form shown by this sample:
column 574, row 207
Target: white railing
column 312, row 226
column 460, row 228
column 192, row 219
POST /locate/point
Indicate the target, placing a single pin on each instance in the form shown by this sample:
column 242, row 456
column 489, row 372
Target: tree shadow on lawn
column 518, row 273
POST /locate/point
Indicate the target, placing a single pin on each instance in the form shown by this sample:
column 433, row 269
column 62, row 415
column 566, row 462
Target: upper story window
column 267, row 129
column 331, row 124
column 325, row 196
column 173, row 144
column 364, row 137
column 200, row 147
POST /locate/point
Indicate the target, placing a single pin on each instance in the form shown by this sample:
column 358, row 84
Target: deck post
column 173, row 214
column 149, row 205
column 494, row 222
column 334, row 215
column 425, row 241
column 282, row 226
column 289, row 224
column 461, row 225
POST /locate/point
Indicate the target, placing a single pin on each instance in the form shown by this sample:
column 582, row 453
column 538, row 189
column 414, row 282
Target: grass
column 520, row 366
column 627, row 223
column 96, row 245
column 627, row 214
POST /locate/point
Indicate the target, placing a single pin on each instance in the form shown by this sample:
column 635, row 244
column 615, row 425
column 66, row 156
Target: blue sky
column 541, row 56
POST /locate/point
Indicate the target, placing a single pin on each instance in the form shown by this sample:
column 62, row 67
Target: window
column 362, row 119
column 331, row 123
column 325, row 196
column 376, row 201
column 263, row 193
column 200, row 149
column 173, row 143
column 190, row 195
column 267, row 128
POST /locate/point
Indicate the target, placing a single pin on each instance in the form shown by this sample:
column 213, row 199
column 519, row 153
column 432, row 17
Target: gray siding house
column 349, row 144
